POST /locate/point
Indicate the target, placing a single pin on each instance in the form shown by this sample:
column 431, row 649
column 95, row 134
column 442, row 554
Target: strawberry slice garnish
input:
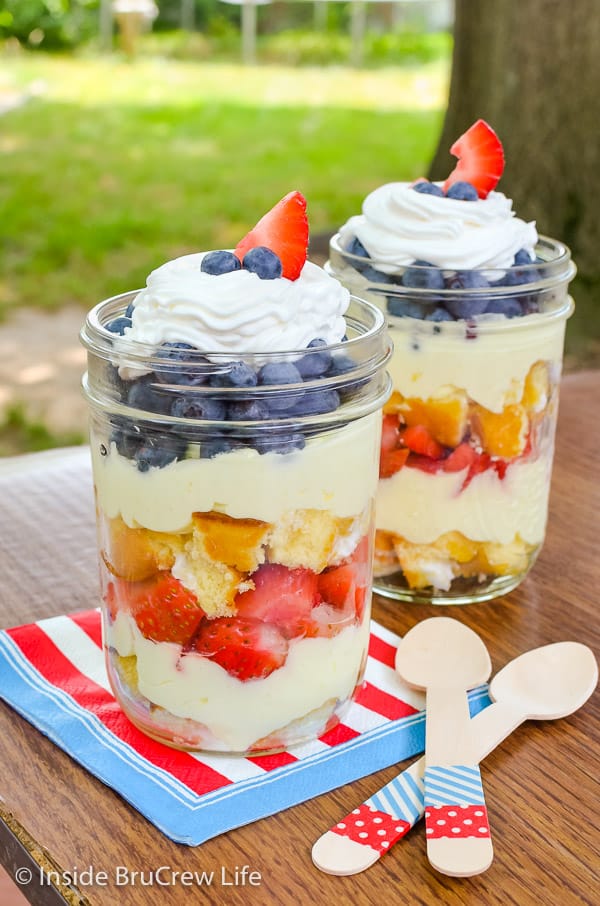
column 419, row 440
column 284, row 230
column 281, row 596
column 247, row 649
column 164, row 610
column 480, row 159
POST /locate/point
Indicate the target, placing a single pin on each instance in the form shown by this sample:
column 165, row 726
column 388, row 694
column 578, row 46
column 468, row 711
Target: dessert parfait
column 476, row 304
column 236, row 412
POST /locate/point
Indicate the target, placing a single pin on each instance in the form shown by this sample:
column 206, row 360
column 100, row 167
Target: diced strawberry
column 390, row 433
column 164, row 610
column 419, row 440
column 391, row 461
column 480, row 159
column 284, row 230
column 461, row 458
column 500, row 465
column 247, row 649
column 424, row 463
column 361, row 558
column 466, row 457
column 281, row 596
column 337, row 586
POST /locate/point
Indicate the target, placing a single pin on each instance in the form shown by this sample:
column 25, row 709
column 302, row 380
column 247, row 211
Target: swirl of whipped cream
column 399, row 226
column 237, row 312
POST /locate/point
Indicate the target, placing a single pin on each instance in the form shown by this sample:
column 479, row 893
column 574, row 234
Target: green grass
column 19, row 434
column 114, row 167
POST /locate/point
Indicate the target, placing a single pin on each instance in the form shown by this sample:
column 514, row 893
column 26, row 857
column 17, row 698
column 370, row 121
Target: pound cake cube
column 238, row 543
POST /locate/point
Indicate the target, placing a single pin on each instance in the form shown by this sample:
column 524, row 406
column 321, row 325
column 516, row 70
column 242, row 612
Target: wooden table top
column 541, row 784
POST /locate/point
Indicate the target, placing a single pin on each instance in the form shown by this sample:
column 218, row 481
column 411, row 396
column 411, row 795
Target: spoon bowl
column 442, row 652
column 549, row 682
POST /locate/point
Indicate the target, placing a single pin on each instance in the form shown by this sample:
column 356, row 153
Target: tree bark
column 531, row 68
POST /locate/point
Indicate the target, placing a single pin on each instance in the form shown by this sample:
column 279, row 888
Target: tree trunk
column 531, row 68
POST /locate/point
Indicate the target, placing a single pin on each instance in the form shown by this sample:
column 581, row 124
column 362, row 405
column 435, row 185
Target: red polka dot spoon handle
column 533, row 686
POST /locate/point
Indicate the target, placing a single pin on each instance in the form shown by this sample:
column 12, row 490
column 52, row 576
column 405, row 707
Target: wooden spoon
column 446, row 658
column 542, row 684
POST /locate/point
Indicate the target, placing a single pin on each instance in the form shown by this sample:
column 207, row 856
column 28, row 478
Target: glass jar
column 468, row 432
column 236, row 524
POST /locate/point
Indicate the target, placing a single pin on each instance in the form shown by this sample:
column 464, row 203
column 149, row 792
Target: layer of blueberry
column 422, row 275
column 156, row 393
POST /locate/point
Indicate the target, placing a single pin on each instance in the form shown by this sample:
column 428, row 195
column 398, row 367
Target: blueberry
column 462, row 191
column 515, row 277
column 129, row 310
column 177, row 373
column 341, row 364
column 428, row 188
column 279, row 443
column 467, row 280
column 142, row 394
column 247, row 411
column 314, row 364
column 127, row 439
column 220, row 262
column 529, row 305
column 200, row 407
column 279, row 373
column 375, row 276
column 263, row 262
column 158, row 453
column 467, row 307
column 522, row 257
column 423, row 275
column 511, row 308
column 316, row 402
column 404, row 308
column 217, row 445
column 118, row 325
column 356, row 247
column 115, row 381
column 439, row 314
column 238, row 374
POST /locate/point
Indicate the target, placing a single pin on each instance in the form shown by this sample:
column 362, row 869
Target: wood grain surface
column 541, row 784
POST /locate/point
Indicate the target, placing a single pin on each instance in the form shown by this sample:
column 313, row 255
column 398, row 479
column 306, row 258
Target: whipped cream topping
column 237, row 312
column 399, row 226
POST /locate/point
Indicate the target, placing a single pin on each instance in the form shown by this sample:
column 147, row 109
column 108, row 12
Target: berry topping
column 246, row 648
column 423, row 275
column 247, row 411
column 221, row 262
column 165, row 611
column 279, row 442
column 236, row 374
column 522, row 257
column 263, row 262
column 357, row 248
column 159, row 452
column 118, row 325
column 439, row 314
column 315, row 364
column 283, row 230
column 275, row 373
column 510, row 308
column 143, row 394
column 201, row 407
column 180, row 373
column 480, row 159
column 428, row 188
column 462, row 191
column 404, row 308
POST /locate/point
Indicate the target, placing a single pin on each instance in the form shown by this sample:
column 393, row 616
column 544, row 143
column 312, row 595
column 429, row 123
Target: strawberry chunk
column 281, row 596
column 390, row 433
column 284, row 230
column 391, row 461
column 164, row 610
column 337, row 586
column 480, row 159
column 247, row 649
column 466, row 457
column 419, row 440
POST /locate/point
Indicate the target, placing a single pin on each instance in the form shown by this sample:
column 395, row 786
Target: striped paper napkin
column 52, row 672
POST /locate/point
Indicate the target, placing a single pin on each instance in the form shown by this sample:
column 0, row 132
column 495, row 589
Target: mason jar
column 236, row 526
column 468, row 432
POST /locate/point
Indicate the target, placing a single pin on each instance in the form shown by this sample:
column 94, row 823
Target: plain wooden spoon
column 545, row 683
column 446, row 658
